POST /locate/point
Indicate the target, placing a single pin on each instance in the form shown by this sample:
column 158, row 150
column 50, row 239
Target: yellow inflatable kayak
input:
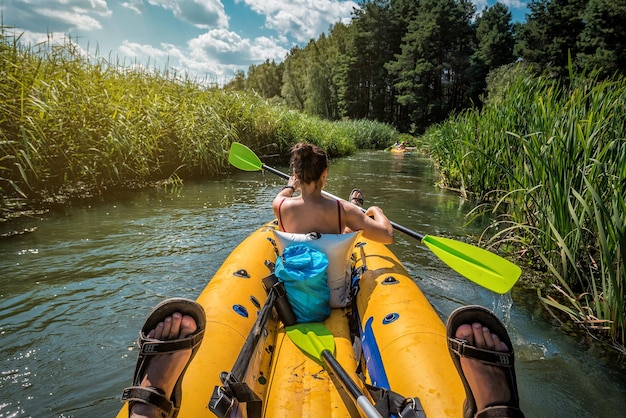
column 389, row 340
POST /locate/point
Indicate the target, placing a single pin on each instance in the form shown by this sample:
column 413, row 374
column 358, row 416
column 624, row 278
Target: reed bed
column 70, row 122
column 549, row 161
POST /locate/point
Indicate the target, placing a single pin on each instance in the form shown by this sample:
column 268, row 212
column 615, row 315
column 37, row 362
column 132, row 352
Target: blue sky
column 209, row 39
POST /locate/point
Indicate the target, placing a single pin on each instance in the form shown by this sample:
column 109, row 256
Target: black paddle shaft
column 277, row 172
column 343, row 376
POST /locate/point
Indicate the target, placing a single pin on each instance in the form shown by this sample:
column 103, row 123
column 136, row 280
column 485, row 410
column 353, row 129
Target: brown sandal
column 149, row 347
column 356, row 197
column 461, row 348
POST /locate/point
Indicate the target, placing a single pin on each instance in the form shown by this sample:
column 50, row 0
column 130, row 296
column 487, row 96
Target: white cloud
column 203, row 14
column 96, row 6
column 216, row 54
column 210, row 50
column 511, row 4
column 514, row 4
column 301, row 19
column 134, row 5
column 54, row 16
column 72, row 19
column 267, row 48
column 219, row 41
column 225, row 44
column 136, row 50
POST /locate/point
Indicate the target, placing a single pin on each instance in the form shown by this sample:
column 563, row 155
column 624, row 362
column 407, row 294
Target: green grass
column 70, row 122
column 549, row 161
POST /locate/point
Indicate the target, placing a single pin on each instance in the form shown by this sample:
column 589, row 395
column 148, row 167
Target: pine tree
column 431, row 73
column 265, row 79
column 602, row 43
column 368, row 94
column 293, row 88
column 494, row 46
column 551, row 33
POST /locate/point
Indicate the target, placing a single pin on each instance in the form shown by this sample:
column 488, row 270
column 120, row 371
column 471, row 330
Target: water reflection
column 74, row 293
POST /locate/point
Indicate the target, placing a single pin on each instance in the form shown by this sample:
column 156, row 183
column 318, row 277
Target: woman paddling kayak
column 312, row 211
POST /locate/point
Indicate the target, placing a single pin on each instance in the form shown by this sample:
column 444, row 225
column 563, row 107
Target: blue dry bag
column 304, row 271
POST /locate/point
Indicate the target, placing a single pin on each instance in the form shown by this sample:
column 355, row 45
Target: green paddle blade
column 480, row 266
column 312, row 338
column 244, row 158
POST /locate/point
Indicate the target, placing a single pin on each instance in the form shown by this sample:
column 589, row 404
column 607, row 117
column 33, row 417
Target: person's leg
column 168, row 340
column 356, row 197
column 488, row 383
column 163, row 370
column 482, row 352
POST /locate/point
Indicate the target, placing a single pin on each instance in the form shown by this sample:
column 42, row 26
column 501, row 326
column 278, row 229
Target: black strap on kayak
column 389, row 403
column 283, row 307
column 234, row 388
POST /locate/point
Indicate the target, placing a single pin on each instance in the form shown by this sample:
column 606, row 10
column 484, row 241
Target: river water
column 74, row 293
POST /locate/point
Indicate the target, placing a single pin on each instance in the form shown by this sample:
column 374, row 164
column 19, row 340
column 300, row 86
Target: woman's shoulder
column 350, row 208
column 284, row 200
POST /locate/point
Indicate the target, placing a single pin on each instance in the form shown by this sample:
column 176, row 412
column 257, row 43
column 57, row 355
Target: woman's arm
column 374, row 224
column 287, row 191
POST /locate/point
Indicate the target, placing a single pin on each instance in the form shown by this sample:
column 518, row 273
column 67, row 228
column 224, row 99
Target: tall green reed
column 74, row 122
column 549, row 161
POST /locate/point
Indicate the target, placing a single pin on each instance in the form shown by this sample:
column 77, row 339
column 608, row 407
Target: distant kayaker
column 311, row 211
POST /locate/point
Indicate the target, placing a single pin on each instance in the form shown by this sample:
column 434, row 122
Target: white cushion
column 338, row 248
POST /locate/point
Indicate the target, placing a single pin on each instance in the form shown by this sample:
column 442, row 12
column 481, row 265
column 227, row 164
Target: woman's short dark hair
column 308, row 161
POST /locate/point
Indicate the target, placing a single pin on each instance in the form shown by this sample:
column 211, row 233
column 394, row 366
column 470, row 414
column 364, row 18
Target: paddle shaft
column 362, row 402
column 395, row 226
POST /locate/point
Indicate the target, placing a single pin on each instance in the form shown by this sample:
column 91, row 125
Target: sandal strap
column 496, row 358
column 150, row 396
column 500, row 411
column 150, row 347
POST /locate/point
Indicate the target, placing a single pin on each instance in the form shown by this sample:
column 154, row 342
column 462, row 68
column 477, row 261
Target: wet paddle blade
column 478, row 265
column 244, row 158
column 312, row 338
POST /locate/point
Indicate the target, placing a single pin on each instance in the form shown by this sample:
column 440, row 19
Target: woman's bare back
column 314, row 214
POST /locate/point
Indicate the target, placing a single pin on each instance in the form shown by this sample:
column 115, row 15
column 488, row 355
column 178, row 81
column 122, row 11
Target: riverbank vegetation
column 73, row 124
column 548, row 159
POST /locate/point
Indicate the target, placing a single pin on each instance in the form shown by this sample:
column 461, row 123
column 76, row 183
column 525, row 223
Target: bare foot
column 164, row 369
column 356, row 197
column 489, row 384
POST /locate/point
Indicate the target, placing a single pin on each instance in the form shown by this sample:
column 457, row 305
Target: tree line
column 412, row 63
